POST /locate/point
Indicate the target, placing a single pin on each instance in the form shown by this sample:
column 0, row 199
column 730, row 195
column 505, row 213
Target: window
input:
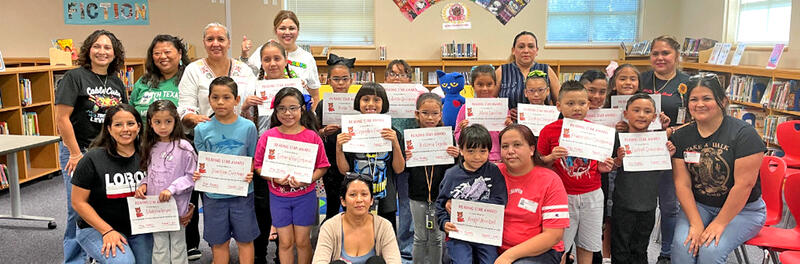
column 592, row 21
column 341, row 22
column 762, row 21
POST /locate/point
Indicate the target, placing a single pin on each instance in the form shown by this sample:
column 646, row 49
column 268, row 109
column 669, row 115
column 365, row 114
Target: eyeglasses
column 339, row 79
column 283, row 109
column 536, row 91
column 397, row 75
column 426, row 113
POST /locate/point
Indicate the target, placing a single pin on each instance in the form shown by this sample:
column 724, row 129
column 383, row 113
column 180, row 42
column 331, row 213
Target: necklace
column 662, row 87
column 101, row 80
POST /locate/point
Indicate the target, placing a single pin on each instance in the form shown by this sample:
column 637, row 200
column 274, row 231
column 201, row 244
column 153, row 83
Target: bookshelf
column 768, row 112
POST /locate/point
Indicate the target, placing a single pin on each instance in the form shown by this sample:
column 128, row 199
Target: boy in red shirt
column 581, row 177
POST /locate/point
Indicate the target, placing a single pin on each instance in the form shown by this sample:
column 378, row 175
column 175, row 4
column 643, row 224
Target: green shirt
column 143, row 95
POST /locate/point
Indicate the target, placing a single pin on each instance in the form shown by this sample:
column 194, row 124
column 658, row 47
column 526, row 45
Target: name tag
column 691, row 157
column 528, row 205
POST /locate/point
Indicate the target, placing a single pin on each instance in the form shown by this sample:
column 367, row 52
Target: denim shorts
column 228, row 218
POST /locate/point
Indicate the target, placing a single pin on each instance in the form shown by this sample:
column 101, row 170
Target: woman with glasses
column 665, row 79
column 716, row 178
column 511, row 76
column 356, row 235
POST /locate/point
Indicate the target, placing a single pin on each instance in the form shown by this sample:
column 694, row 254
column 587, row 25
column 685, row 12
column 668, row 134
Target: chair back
column 792, row 192
column 788, row 135
column 772, row 172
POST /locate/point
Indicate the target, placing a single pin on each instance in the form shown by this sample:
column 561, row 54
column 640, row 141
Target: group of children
column 171, row 163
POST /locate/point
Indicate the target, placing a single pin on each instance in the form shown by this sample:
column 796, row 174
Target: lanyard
column 429, row 180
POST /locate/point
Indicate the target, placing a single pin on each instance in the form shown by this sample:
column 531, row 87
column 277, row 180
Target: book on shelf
column 459, row 50
column 693, row 46
column 775, row 56
column 771, row 123
column 569, row 76
column 417, row 76
column 737, row 56
column 127, row 78
column 25, row 91
column 781, row 95
column 754, row 117
column 361, row 77
column 640, row 48
column 747, row 88
column 4, row 128
column 30, row 123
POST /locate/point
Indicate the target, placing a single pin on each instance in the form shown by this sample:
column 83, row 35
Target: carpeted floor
column 32, row 242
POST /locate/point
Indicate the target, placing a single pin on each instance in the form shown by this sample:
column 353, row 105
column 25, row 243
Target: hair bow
column 308, row 101
column 333, row 59
column 611, row 68
column 537, row 73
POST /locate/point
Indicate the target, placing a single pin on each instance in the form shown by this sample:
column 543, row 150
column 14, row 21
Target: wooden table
column 9, row 146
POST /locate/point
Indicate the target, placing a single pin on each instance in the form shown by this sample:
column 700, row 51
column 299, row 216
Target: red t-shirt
column 579, row 175
column 536, row 200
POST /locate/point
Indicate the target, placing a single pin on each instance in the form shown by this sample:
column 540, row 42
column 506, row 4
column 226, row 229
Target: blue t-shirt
column 238, row 138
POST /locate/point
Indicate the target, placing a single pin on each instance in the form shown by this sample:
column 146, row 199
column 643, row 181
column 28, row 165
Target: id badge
column 681, row 118
column 691, row 157
column 429, row 218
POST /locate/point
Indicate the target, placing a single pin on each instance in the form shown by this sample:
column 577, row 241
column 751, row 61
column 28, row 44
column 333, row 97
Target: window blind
column 764, row 21
column 340, row 22
column 592, row 21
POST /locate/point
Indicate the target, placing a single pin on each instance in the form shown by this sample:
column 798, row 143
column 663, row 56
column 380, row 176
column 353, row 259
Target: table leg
column 16, row 200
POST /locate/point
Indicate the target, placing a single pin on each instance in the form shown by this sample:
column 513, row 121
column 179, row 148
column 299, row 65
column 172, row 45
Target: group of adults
column 719, row 196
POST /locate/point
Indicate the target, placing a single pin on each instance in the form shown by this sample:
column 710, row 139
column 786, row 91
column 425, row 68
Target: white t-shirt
column 193, row 88
column 310, row 74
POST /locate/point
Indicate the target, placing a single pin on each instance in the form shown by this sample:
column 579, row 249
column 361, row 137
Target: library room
column 404, row 131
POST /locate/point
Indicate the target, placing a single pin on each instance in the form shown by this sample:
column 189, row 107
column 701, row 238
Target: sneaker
column 663, row 260
column 194, row 254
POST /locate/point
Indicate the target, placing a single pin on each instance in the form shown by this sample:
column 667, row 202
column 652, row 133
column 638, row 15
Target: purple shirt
column 171, row 168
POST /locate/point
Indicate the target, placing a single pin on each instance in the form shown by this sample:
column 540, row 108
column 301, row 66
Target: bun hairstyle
column 672, row 43
column 283, row 15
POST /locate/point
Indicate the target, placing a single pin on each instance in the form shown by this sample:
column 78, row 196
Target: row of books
column 25, row 91
column 567, row 76
column 433, row 78
column 30, row 123
column 361, row 77
column 754, row 117
column 459, row 50
column 3, row 176
column 127, row 78
column 4, row 128
column 637, row 49
column 782, row 95
column 771, row 123
column 693, row 46
column 747, row 88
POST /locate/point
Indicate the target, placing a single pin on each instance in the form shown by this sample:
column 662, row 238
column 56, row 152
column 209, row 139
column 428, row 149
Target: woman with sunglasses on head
column 356, row 235
column 716, row 166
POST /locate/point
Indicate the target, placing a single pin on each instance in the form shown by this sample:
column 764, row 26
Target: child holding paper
column 536, row 90
column 484, row 82
column 293, row 204
column 340, row 81
column 635, row 194
column 473, row 178
column 170, row 161
column 383, row 166
column 581, row 176
column 227, row 216
column 427, row 236
column 273, row 66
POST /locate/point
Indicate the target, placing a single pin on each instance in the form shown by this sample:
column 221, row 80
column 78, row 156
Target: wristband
column 106, row 233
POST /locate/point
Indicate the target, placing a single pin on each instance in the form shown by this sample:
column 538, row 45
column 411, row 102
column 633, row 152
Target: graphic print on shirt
column 150, row 96
column 226, row 145
column 710, row 175
column 576, row 167
column 122, row 184
column 101, row 99
column 478, row 190
column 373, row 164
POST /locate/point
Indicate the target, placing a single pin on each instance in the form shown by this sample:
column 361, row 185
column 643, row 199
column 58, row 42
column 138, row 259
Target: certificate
column 149, row 215
column 402, row 98
column 477, row 222
column 621, row 101
column 587, row 140
column 223, row 173
column 266, row 89
column 489, row 112
column 536, row 117
column 365, row 130
column 605, row 116
column 284, row 158
column 428, row 146
column 336, row 105
column 645, row 151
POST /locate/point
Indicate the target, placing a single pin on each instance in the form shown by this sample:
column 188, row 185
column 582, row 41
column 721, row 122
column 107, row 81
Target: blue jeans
column 73, row 254
column 550, row 257
column 668, row 205
column 744, row 226
column 138, row 250
column 461, row 251
column 405, row 225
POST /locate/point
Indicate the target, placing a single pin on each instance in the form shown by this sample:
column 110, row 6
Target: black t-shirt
column 110, row 179
column 635, row 190
column 712, row 177
column 670, row 98
column 379, row 165
column 90, row 95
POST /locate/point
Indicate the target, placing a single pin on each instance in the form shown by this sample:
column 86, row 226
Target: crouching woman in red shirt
column 536, row 213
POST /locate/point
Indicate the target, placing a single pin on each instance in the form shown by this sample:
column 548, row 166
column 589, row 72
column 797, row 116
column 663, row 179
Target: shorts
column 228, row 218
column 585, row 221
column 299, row 211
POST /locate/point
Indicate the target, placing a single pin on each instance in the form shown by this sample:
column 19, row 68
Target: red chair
column 779, row 239
column 790, row 257
column 788, row 134
column 772, row 172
